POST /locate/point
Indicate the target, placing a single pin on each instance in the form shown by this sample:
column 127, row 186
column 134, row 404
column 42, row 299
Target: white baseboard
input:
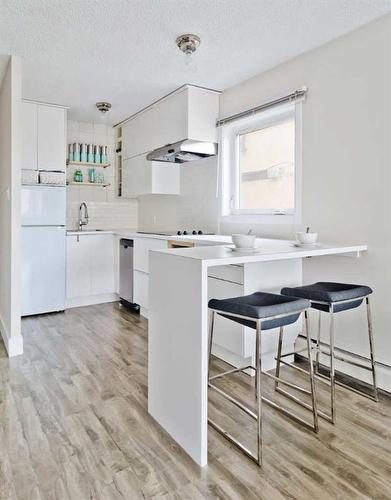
column 13, row 343
column 144, row 312
column 91, row 300
column 383, row 372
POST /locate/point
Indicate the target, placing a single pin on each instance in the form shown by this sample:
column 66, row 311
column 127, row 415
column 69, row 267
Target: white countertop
column 132, row 233
column 268, row 249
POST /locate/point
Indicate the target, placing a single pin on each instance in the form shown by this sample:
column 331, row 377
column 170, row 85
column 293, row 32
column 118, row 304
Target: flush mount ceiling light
column 188, row 44
column 103, row 107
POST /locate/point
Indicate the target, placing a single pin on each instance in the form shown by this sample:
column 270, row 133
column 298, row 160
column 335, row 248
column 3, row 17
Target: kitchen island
column 178, row 325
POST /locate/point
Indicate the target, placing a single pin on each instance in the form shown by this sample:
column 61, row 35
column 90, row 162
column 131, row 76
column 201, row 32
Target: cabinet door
column 51, row 138
column 141, row 249
column 78, row 276
column 102, row 264
column 227, row 333
column 165, row 178
column 136, row 177
column 172, row 116
column 141, row 289
column 29, row 136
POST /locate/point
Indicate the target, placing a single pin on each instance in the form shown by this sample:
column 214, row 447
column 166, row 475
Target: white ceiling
column 76, row 52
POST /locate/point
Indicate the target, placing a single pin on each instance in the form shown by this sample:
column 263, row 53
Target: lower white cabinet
column 141, row 289
column 90, row 269
column 227, row 334
column 141, row 248
column 141, row 177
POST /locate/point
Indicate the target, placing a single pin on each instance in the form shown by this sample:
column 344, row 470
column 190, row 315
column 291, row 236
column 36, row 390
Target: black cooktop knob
column 194, row 232
column 185, row 232
column 179, row 233
column 200, row 232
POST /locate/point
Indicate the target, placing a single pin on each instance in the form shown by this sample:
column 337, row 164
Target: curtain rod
column 293, row 96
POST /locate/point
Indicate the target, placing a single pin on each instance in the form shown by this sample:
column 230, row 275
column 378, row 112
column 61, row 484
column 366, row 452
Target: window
column 261, row 166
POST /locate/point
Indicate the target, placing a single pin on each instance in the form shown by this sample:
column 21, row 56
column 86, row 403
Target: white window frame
column 229, row 162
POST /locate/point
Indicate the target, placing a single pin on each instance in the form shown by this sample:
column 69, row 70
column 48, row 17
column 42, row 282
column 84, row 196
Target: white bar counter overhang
column 178, row 325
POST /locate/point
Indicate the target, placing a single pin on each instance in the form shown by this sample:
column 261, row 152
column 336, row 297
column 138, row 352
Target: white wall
column 195, row 208
column 10, row 136
column 346, row 166
column 105, row 209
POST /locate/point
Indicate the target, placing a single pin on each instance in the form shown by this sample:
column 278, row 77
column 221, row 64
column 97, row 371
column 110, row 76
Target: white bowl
column 306, row 238
column 243, row 240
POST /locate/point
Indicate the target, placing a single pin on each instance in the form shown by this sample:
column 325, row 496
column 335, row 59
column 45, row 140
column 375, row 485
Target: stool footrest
column 350, row 362
column 234, row 441
column 288, row 413
column 303, row 404
column 235, row 401
column 229, row 372
column 349, row 387
column 289, row 384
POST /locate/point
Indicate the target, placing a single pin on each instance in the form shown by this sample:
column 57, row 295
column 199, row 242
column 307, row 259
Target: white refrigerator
column 43, row 212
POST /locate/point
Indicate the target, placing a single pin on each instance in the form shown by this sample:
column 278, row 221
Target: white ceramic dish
column 243, row 240
column 306, row 238
column 245, row 250
column 305, row 245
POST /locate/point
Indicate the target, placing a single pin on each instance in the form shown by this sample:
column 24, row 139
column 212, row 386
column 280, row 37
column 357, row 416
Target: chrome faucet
column 83, row 221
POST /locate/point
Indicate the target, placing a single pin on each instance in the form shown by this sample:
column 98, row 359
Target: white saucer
column 245, row 250
column 305, row 245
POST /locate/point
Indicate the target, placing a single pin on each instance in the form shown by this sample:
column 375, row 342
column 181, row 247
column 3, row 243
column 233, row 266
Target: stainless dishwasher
column 126, row 274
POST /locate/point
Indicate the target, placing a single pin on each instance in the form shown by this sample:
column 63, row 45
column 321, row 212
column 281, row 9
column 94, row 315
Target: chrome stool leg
column 279, row 350
column 317, row 362
column 372, row 353
column 312, row 375
column 211, row 328
column 332, row 364
column 259, row 397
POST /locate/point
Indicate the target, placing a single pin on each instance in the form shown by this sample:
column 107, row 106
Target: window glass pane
column 266, row 168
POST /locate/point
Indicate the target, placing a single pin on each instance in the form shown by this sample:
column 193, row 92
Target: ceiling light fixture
column 103, row 107
column 188, row 44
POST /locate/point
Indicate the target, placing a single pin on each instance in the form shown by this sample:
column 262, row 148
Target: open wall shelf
column 88, row 164
column 92, row 184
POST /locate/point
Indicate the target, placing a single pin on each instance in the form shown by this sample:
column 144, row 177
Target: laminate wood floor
column 74, row 425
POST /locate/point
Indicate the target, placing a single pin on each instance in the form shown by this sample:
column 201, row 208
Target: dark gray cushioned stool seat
column 331, row 293
column 262, row 305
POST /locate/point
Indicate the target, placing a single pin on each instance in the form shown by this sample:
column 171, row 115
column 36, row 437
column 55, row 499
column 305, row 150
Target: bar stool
column 262, row 311
column 334, row 298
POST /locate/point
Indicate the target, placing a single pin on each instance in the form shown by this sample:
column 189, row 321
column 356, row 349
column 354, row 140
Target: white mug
column 306, row 238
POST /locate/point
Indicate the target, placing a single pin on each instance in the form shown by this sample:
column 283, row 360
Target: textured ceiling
column 76, row 52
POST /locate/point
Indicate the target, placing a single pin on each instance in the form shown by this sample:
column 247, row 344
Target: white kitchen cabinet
column 141, row 290
column 29, row 136
column 90, row 269
column 51, row 138
column 43, row 137
column 188, row 113
column 102, row 264
column 141, row 248
column 141, row 177
column 227, row 334
column 78, row 276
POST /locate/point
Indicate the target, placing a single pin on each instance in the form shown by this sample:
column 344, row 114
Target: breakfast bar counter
column 178, row 324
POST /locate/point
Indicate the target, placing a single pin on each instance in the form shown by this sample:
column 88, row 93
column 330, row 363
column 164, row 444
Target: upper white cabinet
column 51, row 138
column 188, row 113
column 29, row 136
column 43, row 137
column 140, row 177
